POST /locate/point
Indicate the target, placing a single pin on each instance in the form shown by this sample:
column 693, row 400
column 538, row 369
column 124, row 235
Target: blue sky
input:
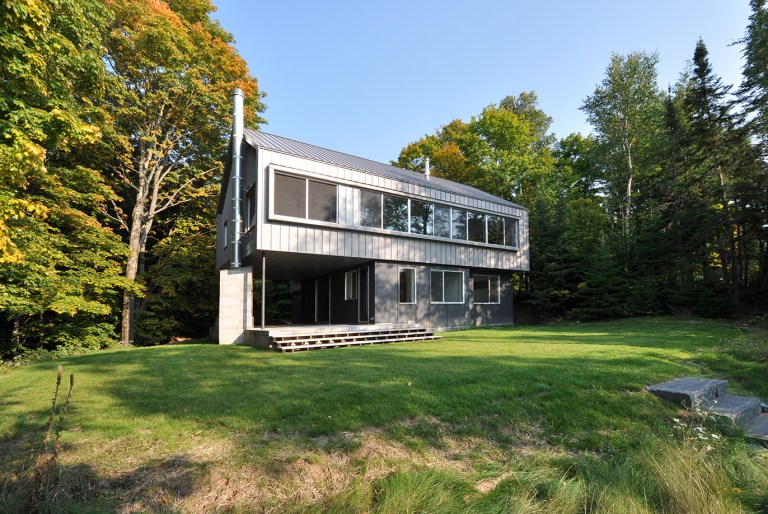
column 368, row 77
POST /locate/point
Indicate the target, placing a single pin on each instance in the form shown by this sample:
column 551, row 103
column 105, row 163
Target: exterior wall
column 348, row 239
column 235, row 304
column 249, row 171
column 438, row 315
column 340, row 310
column 501, row 313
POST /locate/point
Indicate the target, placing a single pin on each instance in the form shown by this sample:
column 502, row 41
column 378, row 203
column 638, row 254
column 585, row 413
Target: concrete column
column 235, row 304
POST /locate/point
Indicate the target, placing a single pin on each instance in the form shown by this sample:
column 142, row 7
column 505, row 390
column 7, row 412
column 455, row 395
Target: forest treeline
column 663, row 208
column 114, row 118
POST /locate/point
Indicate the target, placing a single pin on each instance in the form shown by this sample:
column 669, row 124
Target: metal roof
column 287, row 146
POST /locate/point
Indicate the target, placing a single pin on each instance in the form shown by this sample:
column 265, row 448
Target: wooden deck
column 293, row 338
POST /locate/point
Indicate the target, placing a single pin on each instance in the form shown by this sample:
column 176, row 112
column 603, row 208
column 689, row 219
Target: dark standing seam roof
column 298, row 149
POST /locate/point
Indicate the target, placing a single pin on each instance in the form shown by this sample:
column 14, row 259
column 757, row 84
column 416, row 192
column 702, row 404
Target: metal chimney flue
column 236, row 182
column 426, row 167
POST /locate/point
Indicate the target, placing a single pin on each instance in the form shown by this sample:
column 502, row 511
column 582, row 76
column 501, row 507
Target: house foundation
column 235, row 304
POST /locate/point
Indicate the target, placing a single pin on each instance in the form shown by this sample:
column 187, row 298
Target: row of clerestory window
column 379, row 210
column 299, row 197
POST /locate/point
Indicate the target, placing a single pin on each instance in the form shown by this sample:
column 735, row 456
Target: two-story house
column 363, row 243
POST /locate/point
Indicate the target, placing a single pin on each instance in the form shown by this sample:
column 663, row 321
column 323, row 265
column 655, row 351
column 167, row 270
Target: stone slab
column 758, row 429
column 740, row 409
column 698, row 393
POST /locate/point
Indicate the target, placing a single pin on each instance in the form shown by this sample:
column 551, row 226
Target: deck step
column 289, row 348
column 710, row 396
column 320, row 340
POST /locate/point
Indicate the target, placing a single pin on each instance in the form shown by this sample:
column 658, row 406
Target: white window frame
column 498, row 289
column 413, row 285
column 463, row 287
column 350, row 289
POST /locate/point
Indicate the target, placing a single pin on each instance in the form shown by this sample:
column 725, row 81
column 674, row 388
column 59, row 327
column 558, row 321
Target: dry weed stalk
column 46, row 460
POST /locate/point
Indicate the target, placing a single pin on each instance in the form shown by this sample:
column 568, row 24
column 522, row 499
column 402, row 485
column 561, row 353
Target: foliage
column 60, row 265
column 626, row 111
column 661, row 210
column 113, row 115
column 505, row 150
column 173, row 72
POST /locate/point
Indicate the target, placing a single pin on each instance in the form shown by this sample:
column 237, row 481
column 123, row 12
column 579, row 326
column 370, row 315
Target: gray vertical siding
column 347, row 238
column 388, row 308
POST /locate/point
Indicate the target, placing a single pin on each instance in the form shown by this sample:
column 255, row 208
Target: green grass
column 520, row 419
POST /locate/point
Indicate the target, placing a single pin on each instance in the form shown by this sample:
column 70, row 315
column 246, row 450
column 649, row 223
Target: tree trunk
column 15, row 337
column 135, row 249
column 630, row 176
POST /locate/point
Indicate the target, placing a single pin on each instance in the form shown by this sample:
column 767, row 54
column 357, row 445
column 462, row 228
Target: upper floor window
column 510, row 231
column 299, row 197
column 396, row 213
column 321, row 201
column 370, row 209
column 495, row 230
column 250, row 207
column 401, row 214
column 476, row 227
column 459, row 224
column 422, row 217
column 442, row 221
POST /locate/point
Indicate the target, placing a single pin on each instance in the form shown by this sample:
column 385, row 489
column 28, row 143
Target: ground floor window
column 407, row 285
column 447, row 286
column 485, row 289
column 350, row 285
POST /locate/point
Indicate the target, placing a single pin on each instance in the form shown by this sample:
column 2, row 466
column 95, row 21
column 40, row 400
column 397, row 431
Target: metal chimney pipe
column 236, row 182
column 426, row 167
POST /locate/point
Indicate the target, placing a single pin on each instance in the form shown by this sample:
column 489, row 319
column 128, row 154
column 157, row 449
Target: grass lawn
column 521, row 419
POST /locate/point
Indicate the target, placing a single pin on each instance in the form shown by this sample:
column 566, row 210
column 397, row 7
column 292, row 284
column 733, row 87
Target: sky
column 369, row 77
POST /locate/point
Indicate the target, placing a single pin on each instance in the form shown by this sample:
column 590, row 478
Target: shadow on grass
column 156, row 486
column 578, row 398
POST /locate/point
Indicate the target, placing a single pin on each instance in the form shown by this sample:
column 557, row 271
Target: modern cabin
column 361, row 242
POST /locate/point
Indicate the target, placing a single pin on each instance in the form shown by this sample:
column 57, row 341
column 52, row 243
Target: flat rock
column 758, row 429
column 699, row 393
column 740, row 409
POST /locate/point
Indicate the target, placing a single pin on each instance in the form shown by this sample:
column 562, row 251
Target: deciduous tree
column 173, row 69
column 626, row 111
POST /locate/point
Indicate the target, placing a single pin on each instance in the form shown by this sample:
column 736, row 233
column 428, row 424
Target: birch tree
column 626, row 110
